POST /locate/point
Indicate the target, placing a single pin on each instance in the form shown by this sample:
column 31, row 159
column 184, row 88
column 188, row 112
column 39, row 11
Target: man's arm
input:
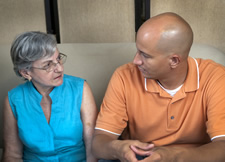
column 211, row 152
column 107, row 146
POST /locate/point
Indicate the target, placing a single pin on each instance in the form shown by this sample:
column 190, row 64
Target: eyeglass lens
column 61, row 60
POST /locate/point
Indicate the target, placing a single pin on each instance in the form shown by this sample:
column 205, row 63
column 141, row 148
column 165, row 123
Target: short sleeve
column 113, row 113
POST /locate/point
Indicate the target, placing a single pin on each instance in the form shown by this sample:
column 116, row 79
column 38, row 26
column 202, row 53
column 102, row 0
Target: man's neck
column 176, row 78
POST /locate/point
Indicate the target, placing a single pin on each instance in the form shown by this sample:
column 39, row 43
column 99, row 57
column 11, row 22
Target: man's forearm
column 212, row 152
column 103, row 147
column 109, row 147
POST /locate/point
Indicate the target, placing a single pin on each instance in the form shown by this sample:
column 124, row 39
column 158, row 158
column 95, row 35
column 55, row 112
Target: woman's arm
column 88, row 114
column 13, row 148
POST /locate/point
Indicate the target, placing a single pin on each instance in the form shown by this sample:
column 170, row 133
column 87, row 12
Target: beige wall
column 99, row 21
column 17, row 16
column 96, row 21
column 205, row 16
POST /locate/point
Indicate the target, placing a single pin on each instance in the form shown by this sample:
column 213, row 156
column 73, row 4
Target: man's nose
column 137, row 59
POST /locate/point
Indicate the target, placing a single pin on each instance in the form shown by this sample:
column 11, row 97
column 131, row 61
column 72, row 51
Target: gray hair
column 29, row 47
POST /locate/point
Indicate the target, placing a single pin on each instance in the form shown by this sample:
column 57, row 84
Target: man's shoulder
column 127, row 68
column 210, row 65
column 210, row 72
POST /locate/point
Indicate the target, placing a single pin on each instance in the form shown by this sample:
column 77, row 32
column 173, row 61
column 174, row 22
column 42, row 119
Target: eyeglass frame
column 63, row 58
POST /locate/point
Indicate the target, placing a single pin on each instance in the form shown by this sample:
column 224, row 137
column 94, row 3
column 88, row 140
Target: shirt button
column 172, row 117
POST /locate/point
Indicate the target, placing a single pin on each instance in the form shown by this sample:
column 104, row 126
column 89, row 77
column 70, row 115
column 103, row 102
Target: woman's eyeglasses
column 51, row 65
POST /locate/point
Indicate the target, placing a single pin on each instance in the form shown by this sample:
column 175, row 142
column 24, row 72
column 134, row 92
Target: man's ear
column 25, row 74
column 174, row 61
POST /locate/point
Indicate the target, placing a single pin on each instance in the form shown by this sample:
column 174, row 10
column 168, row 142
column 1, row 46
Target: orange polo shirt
column 140, row 109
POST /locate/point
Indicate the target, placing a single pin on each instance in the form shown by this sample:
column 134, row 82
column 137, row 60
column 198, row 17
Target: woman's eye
column 47, row 65
column 59, row 57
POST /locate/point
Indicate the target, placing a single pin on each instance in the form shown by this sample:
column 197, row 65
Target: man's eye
column 145, row 55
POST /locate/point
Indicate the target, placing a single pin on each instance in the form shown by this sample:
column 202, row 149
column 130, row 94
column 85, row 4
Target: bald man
column 165, row 106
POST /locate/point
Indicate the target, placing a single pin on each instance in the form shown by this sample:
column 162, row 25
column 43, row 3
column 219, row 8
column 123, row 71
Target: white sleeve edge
column 217, row 137
column 107, row 131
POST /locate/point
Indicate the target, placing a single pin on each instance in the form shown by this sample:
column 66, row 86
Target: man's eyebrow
column 141, row 51
column 144, row 53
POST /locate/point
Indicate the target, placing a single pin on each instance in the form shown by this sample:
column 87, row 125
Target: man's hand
column 107, row 146
column 128, row 149
column 163, row 154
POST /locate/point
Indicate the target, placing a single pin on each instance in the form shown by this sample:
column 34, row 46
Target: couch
column 95, row 62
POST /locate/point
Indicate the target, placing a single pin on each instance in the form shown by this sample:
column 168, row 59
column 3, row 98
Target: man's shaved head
column 168, row 33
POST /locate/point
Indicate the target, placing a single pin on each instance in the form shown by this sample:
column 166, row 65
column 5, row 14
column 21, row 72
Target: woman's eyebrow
column 49, row 60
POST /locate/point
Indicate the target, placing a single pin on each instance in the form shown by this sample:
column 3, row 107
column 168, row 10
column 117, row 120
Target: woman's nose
column 58, row 67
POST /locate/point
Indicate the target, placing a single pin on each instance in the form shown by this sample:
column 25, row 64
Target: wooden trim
column 52, row 19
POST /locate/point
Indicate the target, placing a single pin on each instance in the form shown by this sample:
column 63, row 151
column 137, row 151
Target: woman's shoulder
column 72, row 78
column 73, row 81
column 19, row 91
column 19, row 88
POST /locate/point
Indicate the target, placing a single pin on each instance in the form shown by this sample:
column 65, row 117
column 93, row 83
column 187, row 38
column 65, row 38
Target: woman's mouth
column 58, row 77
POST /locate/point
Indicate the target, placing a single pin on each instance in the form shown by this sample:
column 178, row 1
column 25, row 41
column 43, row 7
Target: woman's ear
column 174, row 61
column 25, row 74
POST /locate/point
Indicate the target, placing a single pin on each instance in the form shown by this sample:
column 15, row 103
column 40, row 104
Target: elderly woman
column 51, row 117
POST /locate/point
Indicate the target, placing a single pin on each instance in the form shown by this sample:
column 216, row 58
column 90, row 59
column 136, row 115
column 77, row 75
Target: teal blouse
column 62, row 138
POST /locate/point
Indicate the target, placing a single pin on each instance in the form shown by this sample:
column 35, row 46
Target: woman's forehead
column 47, row 58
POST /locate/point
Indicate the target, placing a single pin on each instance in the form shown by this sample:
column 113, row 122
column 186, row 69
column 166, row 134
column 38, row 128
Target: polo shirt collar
column 191, row 83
